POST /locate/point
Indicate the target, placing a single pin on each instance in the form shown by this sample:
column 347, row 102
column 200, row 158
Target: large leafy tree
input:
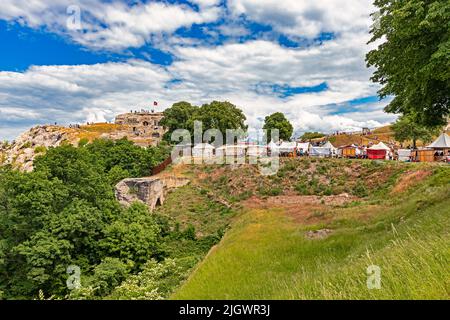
column 406, row 129
column 215, row 115
column 278, row 121
column 65, row 213
column 179, row 116
column 222, row 116
column 413, row 61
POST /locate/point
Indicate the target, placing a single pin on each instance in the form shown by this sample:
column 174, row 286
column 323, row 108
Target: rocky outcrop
column 21, row 152
column 151, row 190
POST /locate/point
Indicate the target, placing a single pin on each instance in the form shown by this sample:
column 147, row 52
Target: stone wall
column 151, row 190
column 144, row 125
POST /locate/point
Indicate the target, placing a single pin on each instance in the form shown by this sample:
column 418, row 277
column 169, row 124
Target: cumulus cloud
column 244, row 73
column 307, row 18
column 108, row 25
column 228, row 72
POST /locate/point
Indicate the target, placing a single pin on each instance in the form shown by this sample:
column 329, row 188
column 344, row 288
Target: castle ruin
column 143, row 126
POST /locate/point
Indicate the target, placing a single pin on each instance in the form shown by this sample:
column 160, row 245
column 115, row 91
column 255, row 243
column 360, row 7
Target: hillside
column 22, row 151
column 311, row 232
column 384, row 134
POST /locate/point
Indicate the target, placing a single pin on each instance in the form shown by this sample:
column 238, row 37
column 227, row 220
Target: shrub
column 40, row 149
column 83, row 142
column 360, row 190
column 156, row 281
column 26, row 145
column 302, row 189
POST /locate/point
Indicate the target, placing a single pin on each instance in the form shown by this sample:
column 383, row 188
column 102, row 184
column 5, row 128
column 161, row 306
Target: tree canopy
column 215, row 115
column 413, row 61
column 65, row 213
column 405, row 128
column 278, row 121
column 179, row 116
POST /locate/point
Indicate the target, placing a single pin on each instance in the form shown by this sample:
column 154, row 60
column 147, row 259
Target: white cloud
column 243, row 73
column 229, row 72
column 307, row 18
column 109, row 25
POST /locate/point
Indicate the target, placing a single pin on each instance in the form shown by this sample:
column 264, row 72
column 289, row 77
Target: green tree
column 278, row 121
column 179, row 116
column 413, row 61
column 65, row 213
column 406, row 128
column 215, row 115
column 222, row 116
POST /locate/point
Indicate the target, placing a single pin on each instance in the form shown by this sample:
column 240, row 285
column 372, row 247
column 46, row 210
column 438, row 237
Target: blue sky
column 77, row 61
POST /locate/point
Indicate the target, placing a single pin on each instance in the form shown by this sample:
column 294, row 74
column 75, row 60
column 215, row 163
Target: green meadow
column 266, row 254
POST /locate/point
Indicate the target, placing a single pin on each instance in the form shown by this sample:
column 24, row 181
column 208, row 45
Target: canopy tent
column 404, row 154
column 257, row 150
column 320, row 152
column 287, row 147
column 379, row 146
column 378, row 151
column 303, row 146
column 442, row 142
column 231, row 150
column 333, row 149
column 204, row 150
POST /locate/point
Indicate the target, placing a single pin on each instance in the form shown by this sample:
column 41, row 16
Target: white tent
column 256, row 150
column 231, row 150
column 320, row 152
column 442, row 142
column 380, row 146
column 404, row 154
column 287, row 147
column 303, row 145
column 333, row 149
column 204, row 150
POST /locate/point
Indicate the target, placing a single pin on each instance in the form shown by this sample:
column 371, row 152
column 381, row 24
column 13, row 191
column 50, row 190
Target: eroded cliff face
column 21, row 152
column 150, row 190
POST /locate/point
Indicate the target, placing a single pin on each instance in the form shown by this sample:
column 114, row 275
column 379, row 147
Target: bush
column 65, row 212
column 156, row 281
column 83, row 142
column 302, row 189
column 109, row 274
column 270, row 191
column 360, row 190
column 26, row 145
column 40, row 149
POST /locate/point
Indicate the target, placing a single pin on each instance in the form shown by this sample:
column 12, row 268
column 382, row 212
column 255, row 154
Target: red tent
column 376, row 154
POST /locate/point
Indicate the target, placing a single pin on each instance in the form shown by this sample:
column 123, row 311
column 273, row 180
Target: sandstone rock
column 21, row 152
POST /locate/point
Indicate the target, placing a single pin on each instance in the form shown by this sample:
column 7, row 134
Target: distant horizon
column 251, row 131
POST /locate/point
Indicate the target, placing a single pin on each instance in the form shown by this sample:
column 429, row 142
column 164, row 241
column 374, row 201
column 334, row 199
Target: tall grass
column 266, row 255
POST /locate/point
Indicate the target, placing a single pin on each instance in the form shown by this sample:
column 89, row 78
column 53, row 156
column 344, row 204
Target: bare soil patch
column 409, row 179
column 303, row 209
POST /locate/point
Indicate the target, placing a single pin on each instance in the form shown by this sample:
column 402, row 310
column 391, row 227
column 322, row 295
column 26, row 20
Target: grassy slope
column 266, row 255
